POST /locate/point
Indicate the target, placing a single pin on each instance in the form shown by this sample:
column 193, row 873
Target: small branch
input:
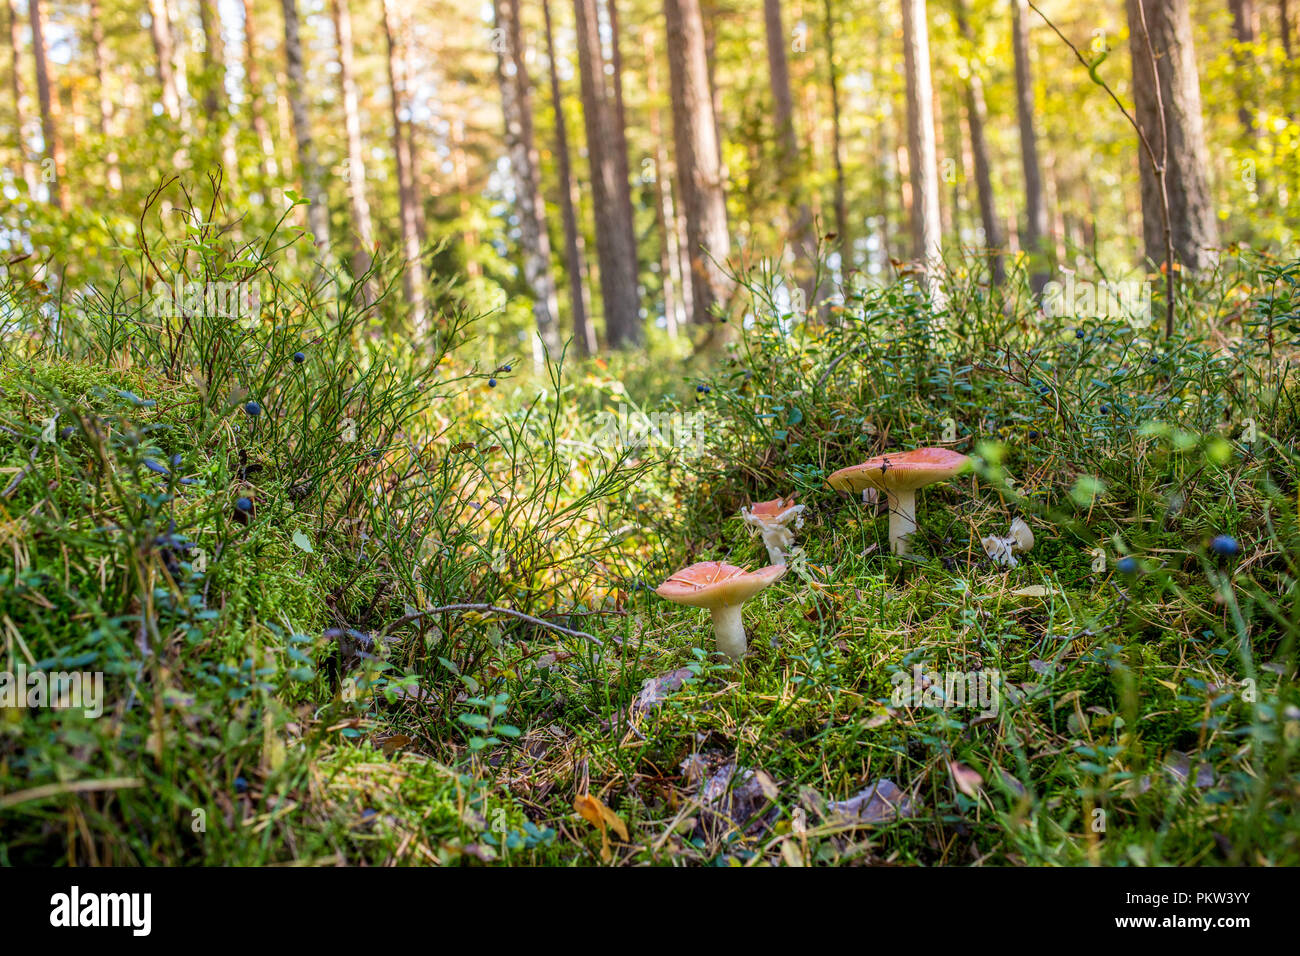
column 491, row 609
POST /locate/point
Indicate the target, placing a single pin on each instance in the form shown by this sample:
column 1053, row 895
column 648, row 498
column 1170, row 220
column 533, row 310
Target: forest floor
column 246, row 528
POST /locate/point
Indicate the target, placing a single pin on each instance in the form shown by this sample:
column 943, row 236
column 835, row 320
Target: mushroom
column 722, row 588
column 899, row 475
column 772, row 519
column 1020, row 537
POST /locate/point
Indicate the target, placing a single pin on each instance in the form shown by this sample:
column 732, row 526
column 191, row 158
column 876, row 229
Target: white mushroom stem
column 902, row 518
column 729, row 629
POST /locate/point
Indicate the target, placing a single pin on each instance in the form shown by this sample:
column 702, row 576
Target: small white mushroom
column 1001, row 549
column 774, row 520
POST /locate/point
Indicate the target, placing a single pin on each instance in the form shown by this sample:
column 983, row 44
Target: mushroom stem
column 775, row 539
column 729, row 630
column 902, row 518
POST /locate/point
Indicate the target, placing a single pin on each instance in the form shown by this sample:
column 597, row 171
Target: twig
column 490, row 609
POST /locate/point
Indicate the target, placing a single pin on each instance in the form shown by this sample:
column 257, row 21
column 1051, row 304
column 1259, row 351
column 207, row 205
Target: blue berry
column 1105, row 409
column 299, row 358
column 699, row 388
column 1033, row 435
column 1225, row 545
column 241, row 785
column 1078, row 333
column 253, row 409
column 492, row 383
column 506, row 368
column 244, row 504
column 1127, row 566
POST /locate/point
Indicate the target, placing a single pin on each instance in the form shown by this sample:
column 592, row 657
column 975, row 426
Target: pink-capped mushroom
column 722, row 588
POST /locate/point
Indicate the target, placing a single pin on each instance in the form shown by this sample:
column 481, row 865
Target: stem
column 902, row 519
column 729, row 630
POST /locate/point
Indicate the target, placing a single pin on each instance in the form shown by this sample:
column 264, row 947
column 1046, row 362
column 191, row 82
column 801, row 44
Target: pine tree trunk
column 922, row 160
column 413, row 268
column 355, row 175
column 699, row 171
column 1178, row 143
column 843, row 235
column 20, row 116
column 55, row 164
column 164, row 48
column 1034, row 236
column 800, row 226
column 517, row 111
column 676, row 309
column 584, row 334
column 107, row 130
column 615, row 242
column 976, row 118
column 318, row 217
column 256, row 105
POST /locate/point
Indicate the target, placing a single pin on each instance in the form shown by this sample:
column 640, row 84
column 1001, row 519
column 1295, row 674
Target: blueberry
column 506, row 368
column 299, row 358
column 1225, row 545
column 1033, row 435
column 253, row 409
column 1078, row 333
column 699, row 388
column 1155, row 360
column 707, row 389
column 244, row 504
column 1105, row 409
column 1127, row 566
column 492, row 383
column 241, row 785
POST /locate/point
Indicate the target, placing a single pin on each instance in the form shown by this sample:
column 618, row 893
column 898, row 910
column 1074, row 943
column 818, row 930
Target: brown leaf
column 880, row 802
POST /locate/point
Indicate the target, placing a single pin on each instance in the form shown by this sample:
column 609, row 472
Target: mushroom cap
column 769, row 510
column 900, row 471
column 714, row 584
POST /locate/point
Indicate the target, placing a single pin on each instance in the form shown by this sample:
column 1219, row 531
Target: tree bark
column 164, row 47
column 318, row 217
column 1178, row 142
column 517, row 112
column 976, row 119
column 413, row 267
column 20, row 115
column 615, row 241
column 676, row 303
column 256, row 105
column 922, row 160
column 107, row 131
column 584, row 334
column 843, row 235
column 48, row 98
column 800, row 225
column 699, row 171
column 1245, row 28
column 1033, row 237
column 364, row 238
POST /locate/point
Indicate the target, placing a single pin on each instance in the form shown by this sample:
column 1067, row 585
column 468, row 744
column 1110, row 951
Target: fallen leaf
column 881, row 802
column 968, row 781
column 302, row 542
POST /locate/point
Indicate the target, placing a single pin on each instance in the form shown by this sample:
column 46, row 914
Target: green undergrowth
column 265, row 590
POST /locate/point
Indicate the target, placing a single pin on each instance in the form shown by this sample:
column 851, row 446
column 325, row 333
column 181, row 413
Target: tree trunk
column 976, row 118
column 413, row 267
column 318, row 216
column 107, row 132
column 164, row 48
column 355, row 175
column 1033, row 237
column 615, row 241
column 1245, row 28
column 252, row 80
column 214, row 84
column 535, row 241
column 54, row 165
column 1284, row 27
column 698, row 170
column 843, row 236
column 800, row 225
column 583, row 332
column 921, row 152
column 20, row 116
column 676, row 307
column 1178, row 143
